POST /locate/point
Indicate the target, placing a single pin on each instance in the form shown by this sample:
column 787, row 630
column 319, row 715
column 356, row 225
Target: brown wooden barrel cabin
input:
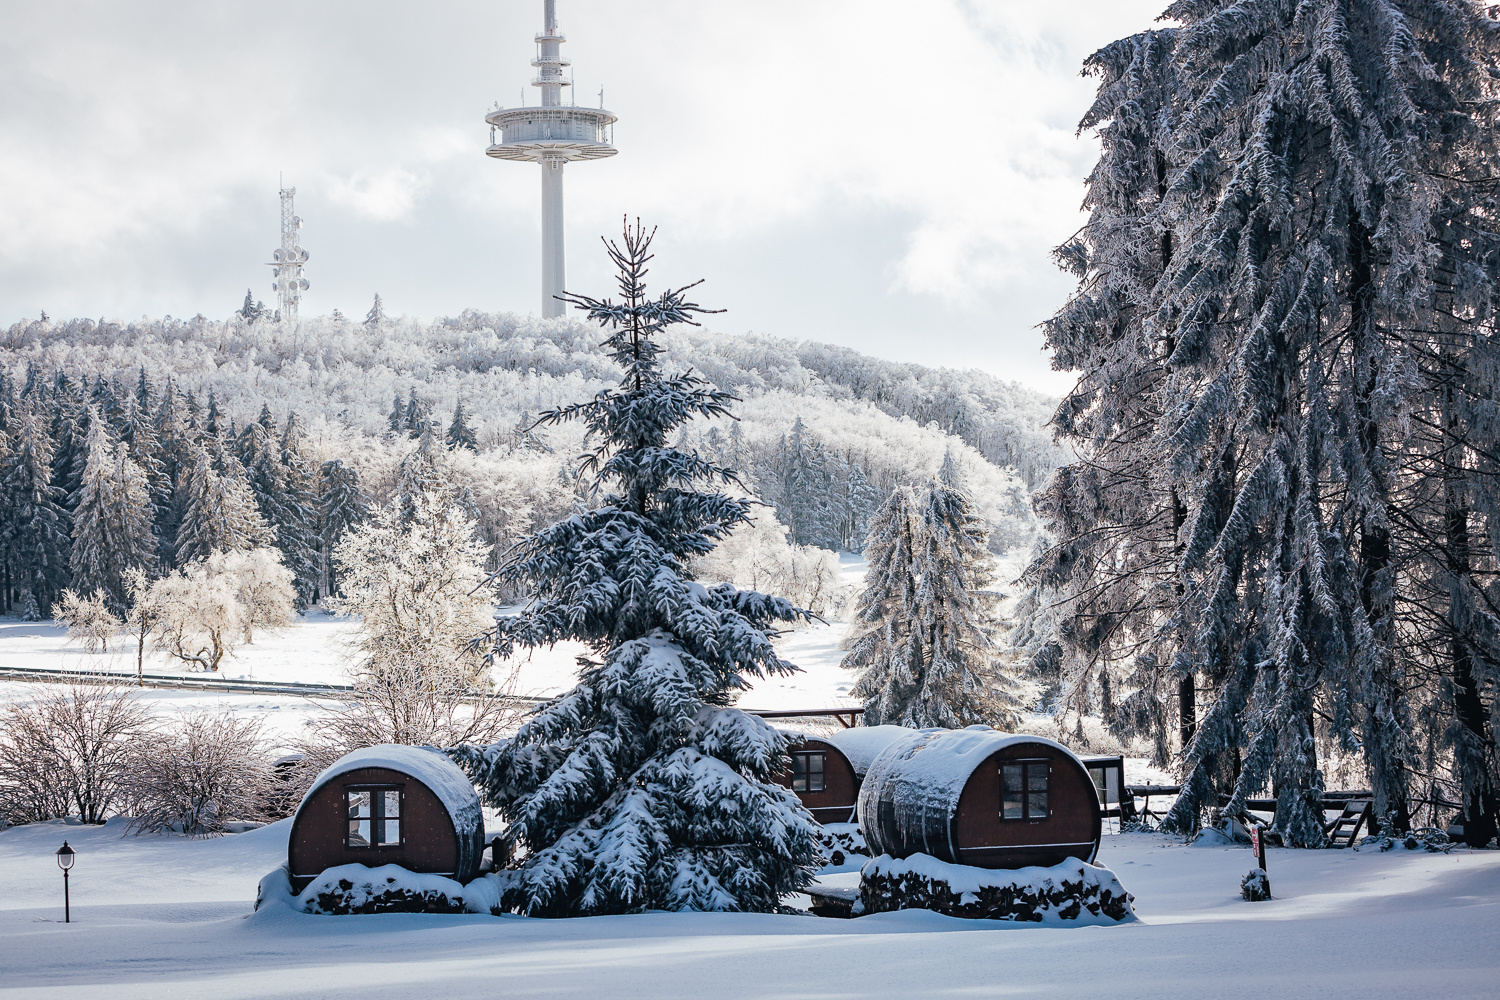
column 980, row 797
column 388, row 805
column 827, row 770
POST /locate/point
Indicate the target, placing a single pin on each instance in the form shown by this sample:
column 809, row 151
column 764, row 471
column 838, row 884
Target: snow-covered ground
column 314, row 650
column 169, row 917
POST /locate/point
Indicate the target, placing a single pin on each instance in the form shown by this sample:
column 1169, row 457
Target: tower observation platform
column 551, row 134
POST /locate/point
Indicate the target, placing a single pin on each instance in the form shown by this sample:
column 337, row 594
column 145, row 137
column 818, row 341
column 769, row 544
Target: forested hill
column 823, row 434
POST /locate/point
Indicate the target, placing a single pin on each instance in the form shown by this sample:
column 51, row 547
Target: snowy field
column 314, row 651
column 169, row 917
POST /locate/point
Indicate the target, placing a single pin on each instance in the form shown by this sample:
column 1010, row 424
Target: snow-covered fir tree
column 218, row 513
column 460, row 434
column 375, row 318
column 1266, row 312
column 35, row 521
column 925, row 640
column 642, row 788
column 342, row 505
column 111, row 518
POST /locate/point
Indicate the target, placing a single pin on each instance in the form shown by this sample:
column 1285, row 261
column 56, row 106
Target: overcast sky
column 885, row 174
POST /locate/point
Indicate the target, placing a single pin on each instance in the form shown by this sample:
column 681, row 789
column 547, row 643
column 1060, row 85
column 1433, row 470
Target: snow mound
column 356, row 889
column 1069, row 894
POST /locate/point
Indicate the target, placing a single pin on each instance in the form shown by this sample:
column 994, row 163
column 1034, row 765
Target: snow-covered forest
column 320, row 420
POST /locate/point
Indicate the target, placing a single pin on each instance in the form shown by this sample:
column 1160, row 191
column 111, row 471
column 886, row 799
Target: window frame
column 806, row 776
column 377, row 814
column 1026, row 790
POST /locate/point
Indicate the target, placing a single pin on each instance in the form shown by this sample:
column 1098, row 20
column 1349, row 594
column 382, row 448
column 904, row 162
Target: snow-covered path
column 177, row 924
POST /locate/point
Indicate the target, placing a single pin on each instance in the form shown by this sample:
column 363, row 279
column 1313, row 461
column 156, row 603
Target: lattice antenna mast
column 551, row 134
column 288, row 260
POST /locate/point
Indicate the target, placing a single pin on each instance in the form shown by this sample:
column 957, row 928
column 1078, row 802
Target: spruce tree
column 218, row 513
column 297, row 523
column 642, row 788
column 111, row 519
column 342, row 505
column 460, row 434
column 1265, row 312
column 925, row 635
column 375, row 318
column 36, row 522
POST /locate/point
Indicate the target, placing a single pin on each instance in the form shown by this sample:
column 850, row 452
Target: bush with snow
column 1255, row 887
column 1072, row 892
column 198, row 773
column 89, row 620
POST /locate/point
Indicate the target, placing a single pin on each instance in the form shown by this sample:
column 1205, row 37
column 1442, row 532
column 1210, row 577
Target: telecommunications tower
column 551, row 134
column 288, row 261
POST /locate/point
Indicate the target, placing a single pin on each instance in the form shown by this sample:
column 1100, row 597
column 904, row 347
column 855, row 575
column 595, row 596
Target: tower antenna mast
column 551, row 135
column 287, row 260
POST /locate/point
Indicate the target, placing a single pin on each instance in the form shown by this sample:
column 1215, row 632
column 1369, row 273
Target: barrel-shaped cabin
column 980, row 797
column 388, row 805
column 827, row 770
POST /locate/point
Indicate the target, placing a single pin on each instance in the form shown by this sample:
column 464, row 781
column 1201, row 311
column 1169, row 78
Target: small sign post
column 1258, row 845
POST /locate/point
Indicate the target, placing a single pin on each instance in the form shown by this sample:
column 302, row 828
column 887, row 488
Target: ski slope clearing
column 167, row 916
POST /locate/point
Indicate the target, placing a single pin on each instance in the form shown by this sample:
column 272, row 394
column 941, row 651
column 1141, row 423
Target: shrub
column 69, row 751
column 210, row 768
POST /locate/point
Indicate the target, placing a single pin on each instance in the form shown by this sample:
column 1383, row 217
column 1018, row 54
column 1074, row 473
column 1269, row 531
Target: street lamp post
column 65, row 856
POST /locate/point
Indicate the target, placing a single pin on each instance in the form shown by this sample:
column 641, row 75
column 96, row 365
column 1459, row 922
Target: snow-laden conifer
column 642, row 788
column 925, row 639
column 111, row 518
column 218, row 513
column 460, row 434
column 35, row 521
column 342, row 504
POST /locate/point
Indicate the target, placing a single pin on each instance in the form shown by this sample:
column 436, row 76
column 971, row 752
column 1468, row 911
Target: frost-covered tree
column 1261, row 296
column 111, row 518
column 460, row 434
column 342, row 504
column 196, row 613
column 35, row 521
column 925, row 635
column 262, row 586
column 89, row 619
column 375, row 318
column 297, row 514
column 218, row 513
column 418, row 587
column 642, row 788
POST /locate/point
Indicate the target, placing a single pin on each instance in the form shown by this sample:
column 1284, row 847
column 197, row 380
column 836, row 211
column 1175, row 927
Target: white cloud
column 383, row 195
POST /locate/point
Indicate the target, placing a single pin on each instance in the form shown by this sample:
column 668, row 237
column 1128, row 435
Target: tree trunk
column 1480, row 805
column 1384, row 725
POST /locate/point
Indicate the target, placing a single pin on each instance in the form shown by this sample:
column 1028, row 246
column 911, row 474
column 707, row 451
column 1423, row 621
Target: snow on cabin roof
column 428, row 765
column 862, row 744
column 924, row 776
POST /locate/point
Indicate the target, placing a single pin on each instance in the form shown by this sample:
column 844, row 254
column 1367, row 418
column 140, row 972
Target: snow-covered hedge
column 348, row 889
column 1073, row 892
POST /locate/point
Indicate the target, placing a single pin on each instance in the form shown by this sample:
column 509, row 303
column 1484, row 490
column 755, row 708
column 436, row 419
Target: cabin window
column 807, row 772
column 1023, row 790
column 374, row 816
